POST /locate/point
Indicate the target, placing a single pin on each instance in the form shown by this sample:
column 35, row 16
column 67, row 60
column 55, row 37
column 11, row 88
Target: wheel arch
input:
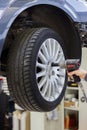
column 52, row 17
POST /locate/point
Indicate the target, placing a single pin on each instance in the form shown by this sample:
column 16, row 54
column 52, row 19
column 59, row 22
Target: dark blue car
column 33, row 35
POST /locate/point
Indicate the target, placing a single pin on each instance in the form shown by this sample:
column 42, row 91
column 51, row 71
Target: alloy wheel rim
column 50, row 79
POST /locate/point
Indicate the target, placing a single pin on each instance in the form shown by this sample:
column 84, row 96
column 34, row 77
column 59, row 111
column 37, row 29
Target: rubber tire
column 22, row 78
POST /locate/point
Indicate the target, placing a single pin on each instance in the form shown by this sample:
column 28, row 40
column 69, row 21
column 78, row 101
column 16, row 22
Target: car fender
column 9, row 13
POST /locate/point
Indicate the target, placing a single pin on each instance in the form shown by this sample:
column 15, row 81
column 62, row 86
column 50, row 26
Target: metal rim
column 50, row 80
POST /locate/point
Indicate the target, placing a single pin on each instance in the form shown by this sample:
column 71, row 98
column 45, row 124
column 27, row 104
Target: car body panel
column 10, row 9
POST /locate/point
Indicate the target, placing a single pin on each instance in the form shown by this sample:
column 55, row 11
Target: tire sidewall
column 44, row 35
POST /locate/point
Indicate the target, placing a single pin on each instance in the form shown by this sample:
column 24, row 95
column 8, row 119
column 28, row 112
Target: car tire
column 33, row 83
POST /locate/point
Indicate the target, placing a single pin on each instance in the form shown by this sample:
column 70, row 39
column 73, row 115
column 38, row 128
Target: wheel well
column 45, row 16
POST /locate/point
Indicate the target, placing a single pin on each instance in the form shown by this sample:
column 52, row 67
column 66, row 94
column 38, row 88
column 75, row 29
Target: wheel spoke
column 53, row 89
column 59, row 81
column 61, row 73
column 60, row 58
column 40, row 65
column 45, row 88
column 49, row 47
column 45, row 51
column 41, row 74
column 56, row 85
column 42, row 57
column 54, row 47
column 49, row 90
column 57, row 52
column 42, row 82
